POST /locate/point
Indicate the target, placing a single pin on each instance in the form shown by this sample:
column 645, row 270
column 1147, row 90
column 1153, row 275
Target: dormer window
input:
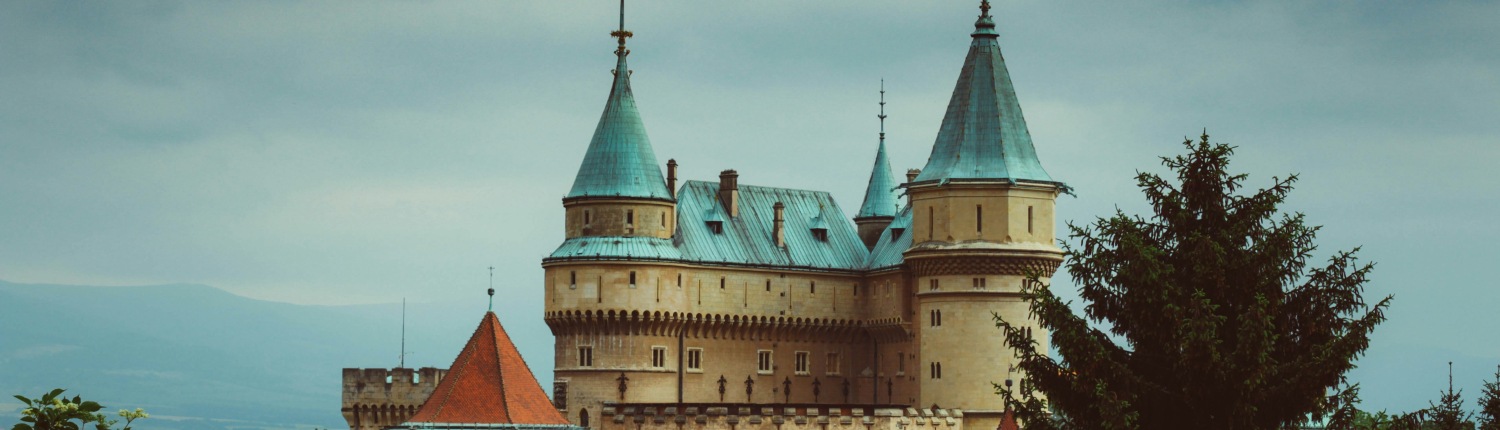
column 821, row 234
column 896, row 232
column 715, row 226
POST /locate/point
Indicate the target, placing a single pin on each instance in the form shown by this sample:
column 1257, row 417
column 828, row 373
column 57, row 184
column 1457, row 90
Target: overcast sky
column 343, row 152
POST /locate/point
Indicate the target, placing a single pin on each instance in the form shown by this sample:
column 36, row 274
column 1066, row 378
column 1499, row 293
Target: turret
column 619, row 190
column 880, row 205
column 982, row 222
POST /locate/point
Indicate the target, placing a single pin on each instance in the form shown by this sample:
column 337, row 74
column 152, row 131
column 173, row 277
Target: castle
column 726, row 305
column 723, row 292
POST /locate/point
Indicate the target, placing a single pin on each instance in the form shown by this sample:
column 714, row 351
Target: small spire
column 492, row 288
column 882, row 110
column 985, row 26
column 622, row 33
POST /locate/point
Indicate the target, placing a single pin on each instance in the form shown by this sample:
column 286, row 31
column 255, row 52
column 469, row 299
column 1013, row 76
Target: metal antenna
column 492, row 285
column 403, row 333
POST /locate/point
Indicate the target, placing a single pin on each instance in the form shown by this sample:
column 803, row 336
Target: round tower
column 982, row 223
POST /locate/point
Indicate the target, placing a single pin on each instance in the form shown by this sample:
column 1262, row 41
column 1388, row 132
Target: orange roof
column 1008, row 422
column 489, row 383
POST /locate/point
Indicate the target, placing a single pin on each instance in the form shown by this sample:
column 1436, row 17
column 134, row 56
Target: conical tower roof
column 619, row 161
column 488, row 383
column 983, row 135
column 880, row 194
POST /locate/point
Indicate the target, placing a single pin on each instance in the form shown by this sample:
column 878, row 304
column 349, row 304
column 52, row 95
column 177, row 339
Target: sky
column 341, row 153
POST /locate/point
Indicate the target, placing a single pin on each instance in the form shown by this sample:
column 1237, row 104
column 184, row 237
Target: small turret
column 880, row 204
column 619, row 189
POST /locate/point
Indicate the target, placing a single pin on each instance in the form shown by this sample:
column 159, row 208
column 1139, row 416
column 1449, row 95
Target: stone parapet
column 737, row 416
column 379, row 398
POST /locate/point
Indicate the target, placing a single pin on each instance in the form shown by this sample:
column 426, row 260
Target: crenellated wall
column 374, row 399
column 632, row 416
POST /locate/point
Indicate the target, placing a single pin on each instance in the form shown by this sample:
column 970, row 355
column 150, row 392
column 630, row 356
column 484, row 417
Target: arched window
column 583, row 418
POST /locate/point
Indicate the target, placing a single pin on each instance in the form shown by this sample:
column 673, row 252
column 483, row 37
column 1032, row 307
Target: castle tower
column 619, row 190
column 881, row 204
column 982, row 221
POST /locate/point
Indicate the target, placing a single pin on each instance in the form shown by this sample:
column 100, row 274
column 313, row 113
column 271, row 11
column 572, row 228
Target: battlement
column 379, row 398
column 787, row 416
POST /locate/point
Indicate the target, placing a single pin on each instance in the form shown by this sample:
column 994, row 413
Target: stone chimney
column 778, row 224
column 672, row 178
column 729, row 191
column 911, row 174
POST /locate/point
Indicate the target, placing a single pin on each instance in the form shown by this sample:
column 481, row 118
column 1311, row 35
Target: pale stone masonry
column 374, row 399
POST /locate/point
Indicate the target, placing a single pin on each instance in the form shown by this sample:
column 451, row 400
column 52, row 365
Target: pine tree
column 1448, row 413
column 1489, row 404
column 1221, row 322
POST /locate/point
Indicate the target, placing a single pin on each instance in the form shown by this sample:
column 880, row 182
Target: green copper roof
column 619, row 162
column 983, row 135
column 890, row 249
column 880, row 194
column 747, row 239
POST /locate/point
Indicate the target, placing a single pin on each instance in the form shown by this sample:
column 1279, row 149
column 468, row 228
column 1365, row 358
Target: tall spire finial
column 984, row 8
column 985, row 25
column 882, row 110
column 492, row 288
column 622, row 33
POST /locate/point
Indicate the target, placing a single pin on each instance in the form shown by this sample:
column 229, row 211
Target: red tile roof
column 1008, row 422
column 489, row 383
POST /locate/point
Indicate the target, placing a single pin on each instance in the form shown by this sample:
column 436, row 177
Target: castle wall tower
column 982, row 221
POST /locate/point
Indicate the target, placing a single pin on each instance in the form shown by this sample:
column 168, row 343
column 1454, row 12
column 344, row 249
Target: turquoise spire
column 983, row 135
column 619, row 161
column 880, row 194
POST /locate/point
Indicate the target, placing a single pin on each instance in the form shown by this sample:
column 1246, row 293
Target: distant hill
column 197, row 357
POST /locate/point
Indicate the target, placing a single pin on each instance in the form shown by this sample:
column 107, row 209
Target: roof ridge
column 495, row 337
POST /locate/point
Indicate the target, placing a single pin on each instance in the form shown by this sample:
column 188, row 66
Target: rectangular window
column 932, row 284
column 929, row 223
column 632, row 279
column 586, row 218
column 630, row 217
column 768, row 285
column 900, row 364
column 585, row 356
column 721, row 282
column 979, row 218
column 763, row 364
column 832, row 368
column 679, row 279
column 936, row 369
column 813, row 288
column 658, row 357
column 663, row 219
column 572, row 280
column 802, row 363
column 695, row 359
column 1028, row 219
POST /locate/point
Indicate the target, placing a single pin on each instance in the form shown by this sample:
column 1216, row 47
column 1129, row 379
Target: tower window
column 832, row 368
column 586, row 217
column 929, row 223
column 935, row 317
column 632, row 279
column 979, row 218
column 812, row 288
column 768, row 285
column 583, row 418
column 900, row 364
column 721, row 282
column 585, row 356
column 572, row 280
column 932, row 284
column 679, row 279
column 695, row 359
column 630, row 217
column 658, row 357
column 664, row 219
column 802, row 363
column 979, row 284
column 937, row 370
column 763, row 364
column 1029, row 219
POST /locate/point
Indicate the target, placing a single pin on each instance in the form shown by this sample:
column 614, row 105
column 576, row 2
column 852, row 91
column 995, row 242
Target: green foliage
column 1448, row 413
column 1489, row 404
column 51, row 411
column 1220, row 321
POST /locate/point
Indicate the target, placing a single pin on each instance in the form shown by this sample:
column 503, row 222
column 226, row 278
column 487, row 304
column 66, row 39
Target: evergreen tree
column 1448, row 413
column 1218, row 322
column 1489, row 404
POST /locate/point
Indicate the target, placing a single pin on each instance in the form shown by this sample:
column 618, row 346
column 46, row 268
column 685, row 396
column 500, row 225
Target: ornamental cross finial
column 622, row 33
column 984, row 7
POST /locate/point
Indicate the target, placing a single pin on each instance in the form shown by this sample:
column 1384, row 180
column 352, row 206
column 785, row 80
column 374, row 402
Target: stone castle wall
column 374, row 399
column 775, row 417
